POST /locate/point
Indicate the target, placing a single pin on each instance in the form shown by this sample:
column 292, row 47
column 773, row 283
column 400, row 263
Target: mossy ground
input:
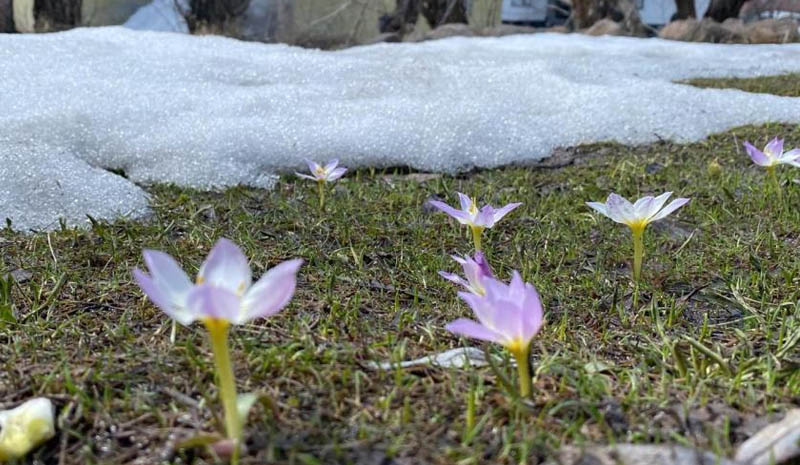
column 706, row 347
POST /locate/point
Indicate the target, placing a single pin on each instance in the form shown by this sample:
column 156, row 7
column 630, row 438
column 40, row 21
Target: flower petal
column 219, row 303
column 466, row 202
column 462, row 217
column 485, row 217
column 599, row 207
column 619, row 209
column 674, row 205
column 168, row 276
column 306, row 176
column 312, row 166
column 791, row 157
column 336, row 174
column 758, row 157
column 226, row 266
column 331, row 165
column 272, row 292
column 469, row 328
column 774, row 148
column 499, row 214
column 167, row 303
column 656, row 205
column 454, row 278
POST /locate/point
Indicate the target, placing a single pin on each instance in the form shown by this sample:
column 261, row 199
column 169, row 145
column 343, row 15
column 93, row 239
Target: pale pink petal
column 472, row 329
column 331, row 165
column 313, row 178
column 619, row 209
column 533, row 314
column 336, row 174
column 791, row 157
column 272, row 292
column 485, row 217
column 674, row 205
column 175, row 310
column 466, row 202
column 227, row 267
column 481, row 306
column 207, row 301
column 656, row 205
column 499, row 214
column 312, row 166
column 454, row 278
column 774, row 147
column 599, row 207
column 462, row 217
column 167, row 275
column 758, row 157
column 483, row 265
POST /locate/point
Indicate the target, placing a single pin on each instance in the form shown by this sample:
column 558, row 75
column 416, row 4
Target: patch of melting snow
column 209, row 112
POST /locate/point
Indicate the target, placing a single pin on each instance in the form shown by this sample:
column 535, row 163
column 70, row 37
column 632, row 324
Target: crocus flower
column 476, row 271
column 25, row 427
column 772, row 156
column 637, row 216
column 323, row 174
column 509, row 315
column 223, row 294
column 477, row 220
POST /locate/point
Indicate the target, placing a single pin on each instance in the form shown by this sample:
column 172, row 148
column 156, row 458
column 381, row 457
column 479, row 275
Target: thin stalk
column 218, row 334
column 477, row 232
column 638, row 252
column 524, row 370
column 321, row 188
column 776, row 184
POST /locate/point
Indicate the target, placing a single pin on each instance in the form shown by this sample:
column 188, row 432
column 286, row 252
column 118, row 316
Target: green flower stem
column 638, row 252
column 321, row 188
column 477, row 231
column 776, row 184
column 218, row 334
column 524, row 370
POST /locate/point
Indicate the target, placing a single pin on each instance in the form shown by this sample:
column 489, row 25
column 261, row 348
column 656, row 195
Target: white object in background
column 660, row 12
column 453, row 358
column 160, row 15
column 524, row 10
column 25, row 427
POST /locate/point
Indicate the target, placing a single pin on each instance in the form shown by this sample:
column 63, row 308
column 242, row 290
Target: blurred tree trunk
column 6, row 16
column 685, row 9
column 214, row 14
column 587, row 12
column 436, row 12
column 57, row 15
column 720, row 10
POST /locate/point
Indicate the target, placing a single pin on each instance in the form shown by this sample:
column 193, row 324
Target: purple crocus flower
column 476, row 271
column 222, row 295
column 509, row 315
column 223, row 290
column 637, row 216
column 476, row 219
column 773, row 154
column 327, row 173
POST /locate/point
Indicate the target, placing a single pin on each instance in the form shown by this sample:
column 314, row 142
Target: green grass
column 787, row 85
column 708, row 344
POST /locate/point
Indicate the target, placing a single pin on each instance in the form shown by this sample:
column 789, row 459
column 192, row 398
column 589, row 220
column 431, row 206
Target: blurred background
column 331, row 24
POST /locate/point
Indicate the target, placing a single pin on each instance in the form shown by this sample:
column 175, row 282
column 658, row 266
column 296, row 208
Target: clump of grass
column 710, row 343
column 787, row 85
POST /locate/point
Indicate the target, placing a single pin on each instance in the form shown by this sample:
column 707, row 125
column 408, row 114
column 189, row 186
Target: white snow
column 210, row 112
